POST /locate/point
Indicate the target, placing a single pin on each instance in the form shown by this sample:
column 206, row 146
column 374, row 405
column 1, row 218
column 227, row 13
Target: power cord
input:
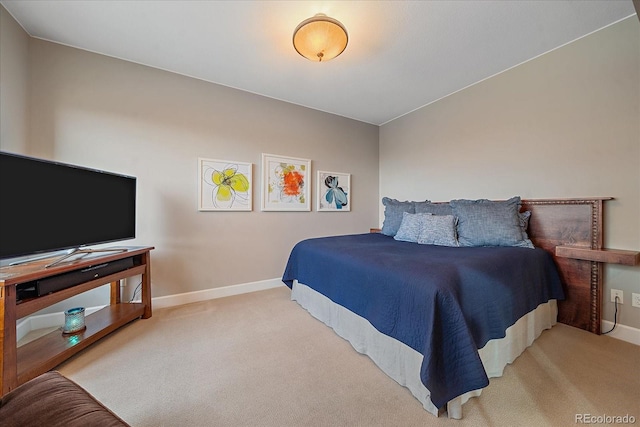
column 615, row 318
column 135, row 292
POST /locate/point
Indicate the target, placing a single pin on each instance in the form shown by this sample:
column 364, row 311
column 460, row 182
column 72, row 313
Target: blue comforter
column 443, row 302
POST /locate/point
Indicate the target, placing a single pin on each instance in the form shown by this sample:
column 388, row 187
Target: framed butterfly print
column 334, row 192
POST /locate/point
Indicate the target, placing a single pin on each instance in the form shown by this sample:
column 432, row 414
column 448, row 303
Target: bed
column 441, row 319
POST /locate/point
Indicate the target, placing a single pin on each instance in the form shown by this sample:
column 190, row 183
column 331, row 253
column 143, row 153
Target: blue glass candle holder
column 74, row 321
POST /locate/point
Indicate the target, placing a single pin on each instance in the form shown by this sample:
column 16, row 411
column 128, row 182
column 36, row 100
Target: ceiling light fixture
column 320, row 38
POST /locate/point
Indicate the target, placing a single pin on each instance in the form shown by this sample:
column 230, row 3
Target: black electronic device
column 26, row 291
column 49, row 206
column 62, row 281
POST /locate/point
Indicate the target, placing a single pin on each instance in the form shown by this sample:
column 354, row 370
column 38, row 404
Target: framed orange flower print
column 286, row 183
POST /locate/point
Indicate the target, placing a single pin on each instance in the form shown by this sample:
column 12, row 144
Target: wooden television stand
column 20, row 364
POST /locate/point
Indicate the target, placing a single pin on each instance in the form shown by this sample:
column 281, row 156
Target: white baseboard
column 621, row 332
column 207, row 294
column 57, row 319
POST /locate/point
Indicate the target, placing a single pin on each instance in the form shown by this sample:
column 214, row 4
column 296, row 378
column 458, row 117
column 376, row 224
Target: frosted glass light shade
column 320, row 38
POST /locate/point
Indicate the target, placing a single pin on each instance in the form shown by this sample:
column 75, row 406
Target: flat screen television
column 47, row 206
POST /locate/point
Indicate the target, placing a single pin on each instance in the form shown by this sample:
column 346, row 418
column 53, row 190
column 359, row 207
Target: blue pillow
column 438, row 230
column 434, row 208
column 489, row 223
column 410, row 227
column 393, row 210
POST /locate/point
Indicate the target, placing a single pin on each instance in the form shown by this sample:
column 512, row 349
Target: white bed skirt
column 402, row 363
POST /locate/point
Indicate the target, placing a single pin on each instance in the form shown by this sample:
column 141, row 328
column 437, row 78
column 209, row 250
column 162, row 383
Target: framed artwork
column 224, row 185
column 286, row 183
column 334, row 192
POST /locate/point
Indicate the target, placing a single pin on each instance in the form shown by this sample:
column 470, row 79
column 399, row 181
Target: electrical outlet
column 635, row 300
column 616, row 293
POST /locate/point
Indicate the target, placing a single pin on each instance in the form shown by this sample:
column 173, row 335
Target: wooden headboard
column 574, row 222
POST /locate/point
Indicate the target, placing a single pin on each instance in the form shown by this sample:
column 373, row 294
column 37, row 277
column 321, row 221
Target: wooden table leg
column 115, row 292
column 8, row 340
column 146, row 286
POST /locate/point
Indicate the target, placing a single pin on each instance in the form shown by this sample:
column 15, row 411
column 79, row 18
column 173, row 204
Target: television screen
column 47, row 206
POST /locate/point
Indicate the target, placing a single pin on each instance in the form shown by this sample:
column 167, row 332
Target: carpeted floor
column 259, row 359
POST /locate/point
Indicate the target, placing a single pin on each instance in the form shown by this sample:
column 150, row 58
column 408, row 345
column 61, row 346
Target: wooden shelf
column 48, row 351
column 18, row 365
column 609, row 256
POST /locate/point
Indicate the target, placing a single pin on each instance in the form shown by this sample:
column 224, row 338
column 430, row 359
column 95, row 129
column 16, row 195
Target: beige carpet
column 261, row 360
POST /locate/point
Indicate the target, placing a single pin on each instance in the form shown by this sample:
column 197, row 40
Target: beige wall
column 14, row 84
column 566, row 124
column 110, row 114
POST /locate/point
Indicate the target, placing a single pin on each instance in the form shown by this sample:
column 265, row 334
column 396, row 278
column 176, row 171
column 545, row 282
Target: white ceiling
column 401, row 55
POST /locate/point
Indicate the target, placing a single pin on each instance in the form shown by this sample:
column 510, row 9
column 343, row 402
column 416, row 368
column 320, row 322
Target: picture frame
column 224, row 185
column 286, row 183
column 333, row 192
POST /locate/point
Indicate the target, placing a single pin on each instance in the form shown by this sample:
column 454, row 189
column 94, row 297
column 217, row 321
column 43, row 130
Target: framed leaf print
column 286, row 183
column 224, row 185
